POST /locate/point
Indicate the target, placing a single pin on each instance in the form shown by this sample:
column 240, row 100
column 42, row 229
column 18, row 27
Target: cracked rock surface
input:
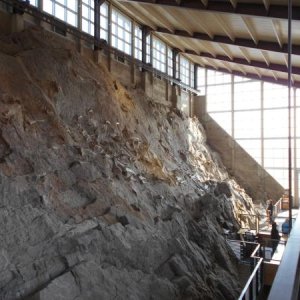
column 104, row 193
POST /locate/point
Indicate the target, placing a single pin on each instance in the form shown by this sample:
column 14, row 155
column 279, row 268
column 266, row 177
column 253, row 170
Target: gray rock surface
column 105, row 194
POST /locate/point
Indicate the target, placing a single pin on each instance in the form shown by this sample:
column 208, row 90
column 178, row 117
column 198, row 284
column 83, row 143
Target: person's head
column 274, row 225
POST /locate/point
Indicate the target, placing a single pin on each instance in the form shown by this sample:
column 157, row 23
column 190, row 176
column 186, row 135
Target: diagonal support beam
column 240, row 42
column 275, row 26
column 245, row 54
column 274, row 11
column 250, row 29
column 224, row 26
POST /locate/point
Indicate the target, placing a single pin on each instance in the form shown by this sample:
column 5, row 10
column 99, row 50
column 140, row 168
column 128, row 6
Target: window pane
column 219, row 98
column 223, row 119
column 247, row 95
column 247, row 124
column 275, row 95
column 253, row 147
column 275, row 122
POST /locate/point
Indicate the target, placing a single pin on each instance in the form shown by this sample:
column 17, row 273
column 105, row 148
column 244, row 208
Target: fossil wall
column 104, row 193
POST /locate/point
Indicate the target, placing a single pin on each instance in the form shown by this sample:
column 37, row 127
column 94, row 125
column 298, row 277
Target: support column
column 262, row 143
column 109, row 33
column 132, row 53
column 232, row 126
column 144, row 44
column 97, row 4
column 17, row 19
column 79, row 24
column 41, row 5
column 195, row 76
column 175, row 89
column 295, row 167
column 146, row 76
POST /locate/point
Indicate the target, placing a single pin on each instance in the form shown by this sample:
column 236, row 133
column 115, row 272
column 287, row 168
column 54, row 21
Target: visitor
column 270, row 211
column 285, row 227
column 275, row 237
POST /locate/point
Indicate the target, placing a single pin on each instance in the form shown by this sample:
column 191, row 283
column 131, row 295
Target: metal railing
column 255, row 282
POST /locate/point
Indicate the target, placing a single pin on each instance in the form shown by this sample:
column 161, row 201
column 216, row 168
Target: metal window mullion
column 109, row 23
column 196, row 76
column 262, row 124
column 41, row 5
column 232, row 106
column 79, row 14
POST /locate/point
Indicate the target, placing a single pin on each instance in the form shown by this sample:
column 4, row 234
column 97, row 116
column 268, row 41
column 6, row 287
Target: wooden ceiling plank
column 133, row 11
column 265, row 57
column 264, row 9
column 173, row 19
column 150, row 16
column 226, row 66
column 226, row 50
column 250, row 29
column 257, row 72
column 245, row 54
column 266, row 4
column 239, row 42
column 275, row 26
column 224, row 26
column 274, row 75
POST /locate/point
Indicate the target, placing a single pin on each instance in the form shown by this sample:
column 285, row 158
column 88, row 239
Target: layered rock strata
column 104, row 193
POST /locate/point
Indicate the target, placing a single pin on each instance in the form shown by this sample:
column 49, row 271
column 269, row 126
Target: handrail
column 102, row 44
column 248, row 284
column 254, row 276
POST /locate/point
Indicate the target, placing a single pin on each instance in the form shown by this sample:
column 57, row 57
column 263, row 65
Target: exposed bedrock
column 104, row 193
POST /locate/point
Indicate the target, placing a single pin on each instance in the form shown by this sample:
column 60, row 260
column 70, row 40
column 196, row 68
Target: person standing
column 275, row 237
column 270, row 211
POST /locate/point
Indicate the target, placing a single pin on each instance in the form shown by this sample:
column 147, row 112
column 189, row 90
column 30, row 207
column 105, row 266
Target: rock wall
column 104, row 193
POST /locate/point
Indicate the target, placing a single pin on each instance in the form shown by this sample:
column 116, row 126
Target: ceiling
column 243, row 37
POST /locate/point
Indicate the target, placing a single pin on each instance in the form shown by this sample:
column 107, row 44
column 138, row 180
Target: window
column 121, row 32
column 64, row 10
column 247, row 95
column 192, row 83
column 201, row 80
column 177, row 65
column 215, row 77
column 34, row 2
column 219, row 98
column 247, row 124
column 275, row 122
column 104, row 21
column 170, row 61
column 253, row 147
column 223, row 119
column 138, row 43
column 88, row 16
column 148, row 48
column 184, row 70
column 275, row 95
column 159, row 55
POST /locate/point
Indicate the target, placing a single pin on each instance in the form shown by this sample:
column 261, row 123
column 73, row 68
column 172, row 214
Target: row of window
column 157, row 52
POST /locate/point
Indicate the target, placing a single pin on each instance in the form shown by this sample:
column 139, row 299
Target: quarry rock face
column 104, row 193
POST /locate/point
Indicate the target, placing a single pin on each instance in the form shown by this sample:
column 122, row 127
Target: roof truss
column 264, row 9
column 240, row 42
